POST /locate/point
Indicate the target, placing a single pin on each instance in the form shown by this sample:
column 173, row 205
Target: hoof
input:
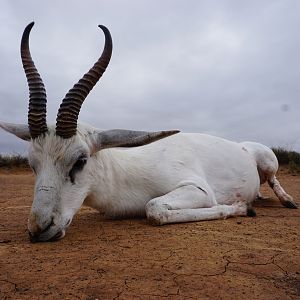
column 290, row 204
column 251, row 212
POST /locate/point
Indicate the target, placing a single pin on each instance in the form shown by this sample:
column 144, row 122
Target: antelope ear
column 126, row 138
column 19, row 130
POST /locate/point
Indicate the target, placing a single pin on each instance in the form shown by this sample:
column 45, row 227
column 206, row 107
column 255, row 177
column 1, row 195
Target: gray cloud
column 228, row 68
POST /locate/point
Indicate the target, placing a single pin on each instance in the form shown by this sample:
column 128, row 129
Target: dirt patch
column 238, row 258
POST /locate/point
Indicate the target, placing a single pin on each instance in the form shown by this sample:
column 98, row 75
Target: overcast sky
column 227, row 68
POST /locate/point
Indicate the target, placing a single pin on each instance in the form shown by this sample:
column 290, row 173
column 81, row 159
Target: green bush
column 13, row 161
column 288, row 158
column 282, row 155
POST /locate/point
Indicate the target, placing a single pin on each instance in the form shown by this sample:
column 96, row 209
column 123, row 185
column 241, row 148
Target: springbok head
column 61, row 155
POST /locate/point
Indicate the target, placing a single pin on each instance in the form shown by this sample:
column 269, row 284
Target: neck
column 121, row 184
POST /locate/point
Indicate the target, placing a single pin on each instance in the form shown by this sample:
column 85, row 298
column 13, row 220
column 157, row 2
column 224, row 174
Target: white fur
column 182, row 178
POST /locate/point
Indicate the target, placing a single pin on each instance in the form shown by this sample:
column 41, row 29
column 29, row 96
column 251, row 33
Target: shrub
column 13, row 161
column 288, row 158
column 282, row 155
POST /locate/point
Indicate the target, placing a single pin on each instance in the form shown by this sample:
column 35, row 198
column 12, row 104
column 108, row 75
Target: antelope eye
column 78, row 166
column 81, row 161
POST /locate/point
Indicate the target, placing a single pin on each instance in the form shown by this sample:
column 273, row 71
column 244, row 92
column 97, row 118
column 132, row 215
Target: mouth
column 47, row 236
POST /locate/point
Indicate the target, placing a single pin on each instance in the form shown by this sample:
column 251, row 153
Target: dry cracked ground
column 237, row 258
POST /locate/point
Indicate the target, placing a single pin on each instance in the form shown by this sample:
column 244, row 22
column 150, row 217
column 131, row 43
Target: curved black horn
column 37, row 92
column 66, row 121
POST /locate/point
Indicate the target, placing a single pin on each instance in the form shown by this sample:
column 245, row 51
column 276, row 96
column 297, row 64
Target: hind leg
column 190, row 203
column 285, row 199
column 267, row 166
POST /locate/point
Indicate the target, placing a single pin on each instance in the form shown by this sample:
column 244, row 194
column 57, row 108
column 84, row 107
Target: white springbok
column 181, row 178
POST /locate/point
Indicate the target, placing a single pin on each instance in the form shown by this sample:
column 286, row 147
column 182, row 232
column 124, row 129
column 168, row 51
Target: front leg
column 190, row 203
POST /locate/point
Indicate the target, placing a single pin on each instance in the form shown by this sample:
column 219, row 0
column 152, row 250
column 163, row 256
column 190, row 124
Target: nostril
column 48, row 226
column 38, row 236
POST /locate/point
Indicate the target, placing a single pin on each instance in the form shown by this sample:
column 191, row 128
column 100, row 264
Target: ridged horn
column 66, row 121
column 37, row 93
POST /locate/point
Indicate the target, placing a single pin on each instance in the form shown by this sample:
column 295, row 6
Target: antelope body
column 178, row 178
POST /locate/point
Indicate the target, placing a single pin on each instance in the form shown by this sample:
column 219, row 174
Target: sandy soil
column 238, row 258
